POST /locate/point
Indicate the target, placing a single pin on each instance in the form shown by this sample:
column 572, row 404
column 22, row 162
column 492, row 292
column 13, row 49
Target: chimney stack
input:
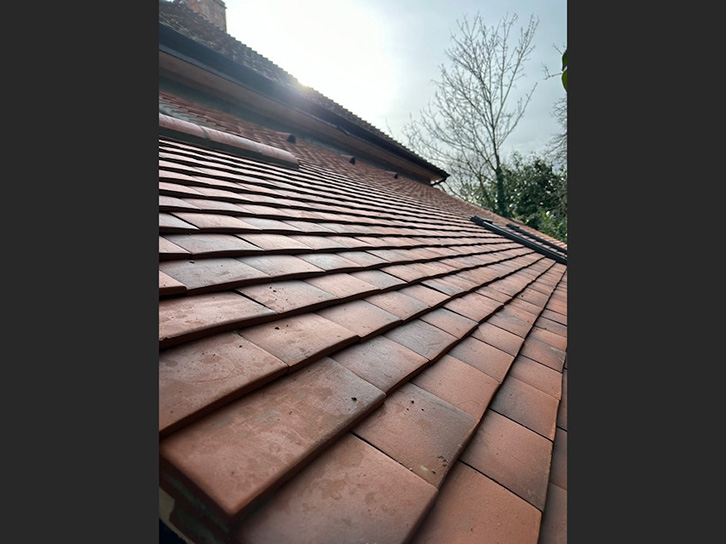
column 213, row 11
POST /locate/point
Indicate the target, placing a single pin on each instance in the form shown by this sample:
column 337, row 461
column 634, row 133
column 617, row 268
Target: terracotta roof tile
column 558, row 474
column 361, row 317
column 544, row 353
column 211, row 222
column 499, row 338
column 380, row 279
column 241, row 452
column 330, row 262
column 490, row 360
column 188, row 318
column 428, row 296
column 419, row 430
column 171, row 223
column 473, row 509
column 274, row 242
column 513, row 456
column 562, row 411
column 459, row 384
column 300, row 339
column 527, row 405
column 554, row 520
column 212, row 274
column 344, row 286
column 423, row 338
column 169, row 286
column 281, row 266
column 550, row 338
column 288, row 296
column 213, row 245
column 537, row 375
column 399, row 304
column 474, row 306
column 381, row 361
column 198, row 377
column 351, row 493
column 551, row 326
column 451, row 322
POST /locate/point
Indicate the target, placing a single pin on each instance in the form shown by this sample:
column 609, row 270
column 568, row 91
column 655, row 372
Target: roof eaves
column 184, row 48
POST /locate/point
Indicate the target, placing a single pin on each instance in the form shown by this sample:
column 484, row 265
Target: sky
column 380, row 58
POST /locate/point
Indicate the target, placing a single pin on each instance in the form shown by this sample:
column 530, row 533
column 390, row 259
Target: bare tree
column 471, row 115
column 557, row 148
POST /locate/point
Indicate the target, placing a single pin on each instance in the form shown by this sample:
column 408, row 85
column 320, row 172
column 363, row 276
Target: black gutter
column 535, row 237
column 197, row 54
column 519, row 239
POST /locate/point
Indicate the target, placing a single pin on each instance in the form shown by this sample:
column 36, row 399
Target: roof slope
column 345, row 356
column 341, row 355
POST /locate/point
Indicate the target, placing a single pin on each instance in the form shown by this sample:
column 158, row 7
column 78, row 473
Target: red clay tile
column 537, row 375
column 213, row 245
column 274, row 242
column 527, row 405
column 511, row 455
column 351, row 493
column 473, row 509
column 399, row 304
column 288, row 296
column 300, row 339
column 379, row 279
column 499, row 338
column 209, row 205
column 554, row 316
column 507, row 320
column 544, row 353
column 463, row 386
column 562, row 410
column 169, row 286
column 389, row 255
column 534, row 297
column 319, row 242
column 361, row 317
column 281, row 267
column 554, row 519
column 490, row 360
column 215, row 222
column 169, row 223
column 525, row 306
column 551, row 326
column 419, row 430
column 178, row 190
column 425, row 294
column 174, row 204
column 442, row 285
column 549, row 338
column 169, row 250
column 271, row 226
column 473, row 306
column 330, row 262
column 362, row 258
column 380, row 361
column 243, row 451
column 493, row 294
column 188, row 318
column 211, row 274
column 451, row 322
column 423, row 338
column 342, row 285
column 558, row 474
column 199, row 377
column 407, row 272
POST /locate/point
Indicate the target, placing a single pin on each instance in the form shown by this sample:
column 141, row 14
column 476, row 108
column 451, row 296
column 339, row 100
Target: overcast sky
column 379, row 58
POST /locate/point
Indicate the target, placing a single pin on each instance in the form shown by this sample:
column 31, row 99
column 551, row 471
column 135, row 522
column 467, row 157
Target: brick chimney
column 213, row 11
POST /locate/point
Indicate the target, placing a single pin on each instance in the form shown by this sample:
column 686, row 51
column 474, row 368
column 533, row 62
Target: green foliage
column 564, row 69
column 537, row 194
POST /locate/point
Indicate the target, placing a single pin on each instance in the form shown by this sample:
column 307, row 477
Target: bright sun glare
column 334, row 47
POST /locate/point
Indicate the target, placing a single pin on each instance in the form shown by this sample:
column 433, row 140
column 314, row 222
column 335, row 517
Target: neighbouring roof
column 344, row 355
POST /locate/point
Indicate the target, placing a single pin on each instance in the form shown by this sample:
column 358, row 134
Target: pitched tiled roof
column 346, row 357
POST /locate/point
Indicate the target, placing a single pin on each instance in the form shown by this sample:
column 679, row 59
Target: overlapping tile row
column 338, row 362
